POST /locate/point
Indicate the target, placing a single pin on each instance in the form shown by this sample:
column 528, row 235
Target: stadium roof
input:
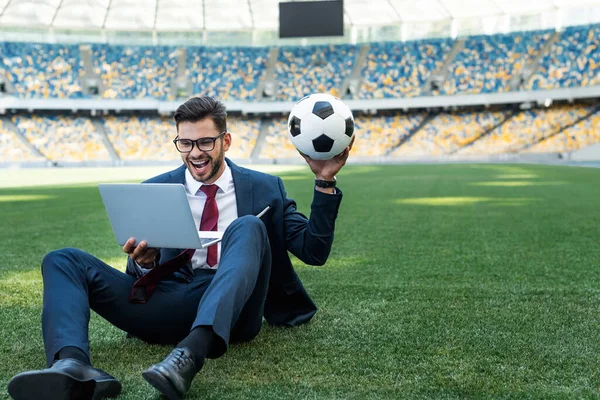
column 217, row 15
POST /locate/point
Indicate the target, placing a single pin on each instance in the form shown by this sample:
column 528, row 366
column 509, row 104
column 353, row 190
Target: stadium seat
column 527, row 128
column 12, row 150
column 150, row 138
column 487, row 64
column 582, row 134
column 38, row 70
column 447, row 132
column 135, row 72
column 227, row 73
column 244, row 133
column 277, row 143
column 401, row 69
column 301, row 71
column 63, row 138
column 574, row 60
column 141, row 138
column 377, row 135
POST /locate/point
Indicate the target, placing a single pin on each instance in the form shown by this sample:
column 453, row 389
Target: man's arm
column 310, row 239
column 141, row 257
column 134, row 269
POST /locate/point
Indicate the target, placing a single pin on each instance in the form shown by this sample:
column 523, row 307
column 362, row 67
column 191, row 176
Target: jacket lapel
column 244, row 195
column 178, row 175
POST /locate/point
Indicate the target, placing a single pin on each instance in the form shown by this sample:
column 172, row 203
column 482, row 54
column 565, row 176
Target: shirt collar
column 224, row 182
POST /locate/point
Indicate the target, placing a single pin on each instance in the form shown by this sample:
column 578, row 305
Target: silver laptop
column 157, row 213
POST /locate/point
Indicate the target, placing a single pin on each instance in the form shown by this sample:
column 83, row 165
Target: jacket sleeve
column 310, row 239
column 134, row 269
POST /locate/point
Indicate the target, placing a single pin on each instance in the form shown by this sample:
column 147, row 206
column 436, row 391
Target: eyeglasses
column 203, row 144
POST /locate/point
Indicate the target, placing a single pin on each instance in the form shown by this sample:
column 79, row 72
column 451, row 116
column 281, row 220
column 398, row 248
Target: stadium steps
column 181, row 85
column 267, row 86
column 487, row 132
column 528, row 71
column 412, row 133
column 558, row 131
column 260, row 140
column 8, row 124
column 351, row 85
column 440, row 75
column 107, row 143
column 90, row 81
column 86, row 58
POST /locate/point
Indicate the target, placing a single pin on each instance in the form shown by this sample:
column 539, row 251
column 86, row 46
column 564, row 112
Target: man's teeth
column 199, row 164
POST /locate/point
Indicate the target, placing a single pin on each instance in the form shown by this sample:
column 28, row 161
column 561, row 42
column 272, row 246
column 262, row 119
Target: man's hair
column 198, row 108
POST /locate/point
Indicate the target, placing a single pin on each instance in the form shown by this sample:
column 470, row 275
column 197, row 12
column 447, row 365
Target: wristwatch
column 325, row 184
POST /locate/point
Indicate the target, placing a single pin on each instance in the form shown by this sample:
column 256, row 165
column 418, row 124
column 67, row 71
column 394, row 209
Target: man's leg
column 234, row 300
column 74, row 281
column 230, row 309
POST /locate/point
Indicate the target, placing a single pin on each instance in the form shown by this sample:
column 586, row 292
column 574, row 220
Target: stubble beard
column 216, row 164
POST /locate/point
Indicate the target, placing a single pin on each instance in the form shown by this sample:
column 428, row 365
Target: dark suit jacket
column 310, row 240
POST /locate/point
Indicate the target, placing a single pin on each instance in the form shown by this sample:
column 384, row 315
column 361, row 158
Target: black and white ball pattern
column 321, row 126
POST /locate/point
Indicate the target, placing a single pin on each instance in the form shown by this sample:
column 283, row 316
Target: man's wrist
column 146, row 266
column 325, row 178
column 325, row 183
column 325, row 190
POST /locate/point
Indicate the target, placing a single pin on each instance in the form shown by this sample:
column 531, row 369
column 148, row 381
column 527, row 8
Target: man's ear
column 226, row 141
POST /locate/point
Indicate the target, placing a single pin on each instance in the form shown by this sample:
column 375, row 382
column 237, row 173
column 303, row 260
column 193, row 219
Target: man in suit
column 200, row 300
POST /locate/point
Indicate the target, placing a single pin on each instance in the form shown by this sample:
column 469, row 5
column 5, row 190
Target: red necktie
column 144, row 287
column 210, row 219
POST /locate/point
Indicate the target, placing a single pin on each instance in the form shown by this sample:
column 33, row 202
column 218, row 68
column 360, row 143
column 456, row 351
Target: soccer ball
column 321, row 126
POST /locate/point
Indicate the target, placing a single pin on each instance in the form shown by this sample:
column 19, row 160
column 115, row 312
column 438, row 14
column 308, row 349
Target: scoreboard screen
column 311, row 18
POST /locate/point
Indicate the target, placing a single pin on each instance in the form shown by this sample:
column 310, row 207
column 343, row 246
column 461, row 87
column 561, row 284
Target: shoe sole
column 53, row 385
column 161, row 384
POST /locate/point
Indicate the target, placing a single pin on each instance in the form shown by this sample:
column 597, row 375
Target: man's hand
column 327, row 169
column 142, row 254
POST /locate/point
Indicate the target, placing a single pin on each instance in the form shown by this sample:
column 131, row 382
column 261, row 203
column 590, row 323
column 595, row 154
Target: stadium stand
column 448, row 132
column 244, row 133
column 488, row 64
column 401, row 69
column 147, row 138
column 582, row 134
column 63, row 139
column 141, row 138
column 277, row 144
column 228, row 73
column 150, row 138
column 37, row 70
column 13, row 150
column 526, row 128
column 379, row 134
column 574, row 60
column 312, row 69
column 484, row 64
column 134, row 72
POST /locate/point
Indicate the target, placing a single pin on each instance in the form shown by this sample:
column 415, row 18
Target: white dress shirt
column 226, row 203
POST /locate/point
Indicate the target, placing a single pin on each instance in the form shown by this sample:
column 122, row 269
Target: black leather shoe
column 173, row 376
column 66, row 379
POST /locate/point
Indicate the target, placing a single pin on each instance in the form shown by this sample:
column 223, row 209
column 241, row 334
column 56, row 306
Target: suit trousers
column 230, row 299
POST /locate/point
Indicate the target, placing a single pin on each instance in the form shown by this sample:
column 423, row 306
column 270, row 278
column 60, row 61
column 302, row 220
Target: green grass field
column 445, row 281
